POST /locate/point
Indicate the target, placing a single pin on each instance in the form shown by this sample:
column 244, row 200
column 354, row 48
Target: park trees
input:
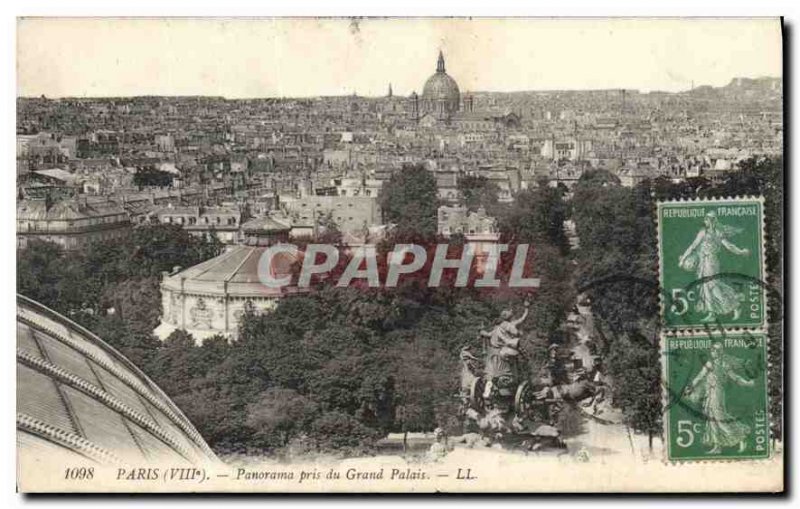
column 278, row 414
column 410, row 200
column 341, row 366
column 536, row 216
column 111, row 288
column 634, row 365
column 616, row 269
column 478, row 192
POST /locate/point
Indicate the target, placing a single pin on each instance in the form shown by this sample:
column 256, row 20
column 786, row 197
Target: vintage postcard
column 400, row 255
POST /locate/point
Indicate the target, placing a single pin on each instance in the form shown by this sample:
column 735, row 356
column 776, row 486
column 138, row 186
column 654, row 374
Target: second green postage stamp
column 711, row 263
column 716, row 397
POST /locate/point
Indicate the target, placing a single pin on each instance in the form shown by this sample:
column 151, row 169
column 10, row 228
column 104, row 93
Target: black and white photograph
column 399, row 254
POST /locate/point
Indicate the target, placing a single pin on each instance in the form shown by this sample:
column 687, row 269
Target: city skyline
column 227, row 57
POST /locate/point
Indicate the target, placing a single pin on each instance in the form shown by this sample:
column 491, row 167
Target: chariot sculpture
column 500, row 397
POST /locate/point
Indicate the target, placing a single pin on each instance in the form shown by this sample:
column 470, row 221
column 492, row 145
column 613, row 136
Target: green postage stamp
column 716, row 397
column 711, row 264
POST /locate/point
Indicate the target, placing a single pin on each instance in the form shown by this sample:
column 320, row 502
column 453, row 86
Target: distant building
column 56, row 176
column 55, row 182
column 441, row 104
column 357, row 187
column 222, row 222
column 458, row 220
column 165, row 142
column 348, row 212
column 46, row 147
column 479, row 230
column 447, row 186
column 570, row 148
column 71, row 223
column 469, row 121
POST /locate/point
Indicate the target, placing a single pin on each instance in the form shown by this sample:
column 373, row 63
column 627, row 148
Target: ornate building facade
column 211, row 297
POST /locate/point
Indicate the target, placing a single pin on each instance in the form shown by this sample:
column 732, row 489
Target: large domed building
column 211, row 297
column 441, row 97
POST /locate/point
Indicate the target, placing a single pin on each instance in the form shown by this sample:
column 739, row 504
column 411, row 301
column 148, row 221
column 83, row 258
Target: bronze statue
column 503, row 402
column 502, row 350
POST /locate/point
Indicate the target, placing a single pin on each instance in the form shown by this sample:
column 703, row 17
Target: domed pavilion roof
column 234, row 273
column 80, row 399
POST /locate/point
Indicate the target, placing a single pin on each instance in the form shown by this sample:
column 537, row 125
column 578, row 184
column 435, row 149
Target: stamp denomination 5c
column 717, row 404
column 712, row 263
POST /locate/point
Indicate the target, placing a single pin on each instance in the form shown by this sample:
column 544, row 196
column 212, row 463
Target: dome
column 81, row 400
column 441, row 86
column 441, row 95
column 233, row 273
column 265, row 224
column 265, row 231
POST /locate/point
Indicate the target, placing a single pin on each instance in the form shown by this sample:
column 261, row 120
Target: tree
column 594, row 179
column 478, row 192
column 329, row 231
column 39, row 271
column 153, row 249
column 616, row 261
column 536, row 216
column 133, row 300
column 617, row 252
column 410, row 200
column 277, row 414
column 634, row 365
column 151, row 177
column 339, row 431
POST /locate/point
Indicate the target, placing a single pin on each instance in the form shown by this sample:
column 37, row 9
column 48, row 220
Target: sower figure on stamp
column 715, row 297
column 708, row 390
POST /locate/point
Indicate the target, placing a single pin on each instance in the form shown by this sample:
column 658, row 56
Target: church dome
column 441, row 86
column 441, row 95
column 80, row 400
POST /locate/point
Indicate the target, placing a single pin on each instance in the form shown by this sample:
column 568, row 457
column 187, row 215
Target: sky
column 285, row 57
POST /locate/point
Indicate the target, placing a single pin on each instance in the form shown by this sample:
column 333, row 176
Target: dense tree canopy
column 478, row 192
column 112, row 287
column 410, row 200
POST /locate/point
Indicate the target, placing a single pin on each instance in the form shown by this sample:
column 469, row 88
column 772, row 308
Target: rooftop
column 78, row 396
column 233, row 273
column 72, row 209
